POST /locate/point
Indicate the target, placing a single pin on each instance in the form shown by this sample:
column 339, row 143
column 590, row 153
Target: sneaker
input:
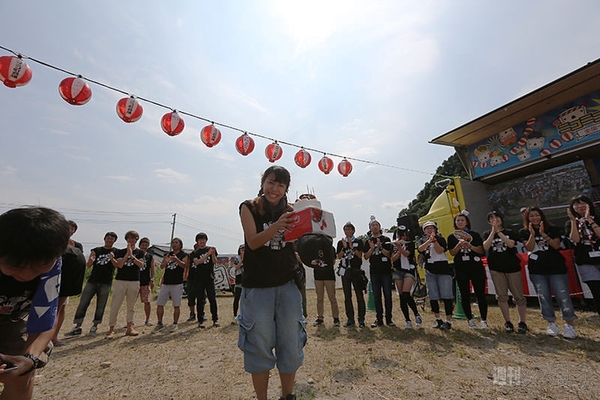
column 216, row 324
column 376, row 324
column 418, row 321
column 93, row 330
column 74, row 332
column 446, row 325
column 483, row 324
column 234, row 321
column 159, row 327
column 569, row 332
column 438, row 323
column 552, row 329
column 522, row 327
column 408, row 325
column 390, row 323
column 472, row 324
column 174, row 327
column 148, row 323
column 201, row 325
column 361, row 324
column 348, row 324
column 192, row 317
column 318, row 322
column 336, row 322
column 509, row 327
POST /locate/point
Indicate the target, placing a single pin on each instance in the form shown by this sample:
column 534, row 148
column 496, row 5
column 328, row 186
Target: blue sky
column 374, row 80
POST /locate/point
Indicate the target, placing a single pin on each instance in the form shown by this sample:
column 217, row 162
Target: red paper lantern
column 273, row 152
column 14, row 71
column 210, row 135
column 172, row 124
column 325, row 165
column 75, row 91
column 129, row 109
column 302, row 158
column 345, row 167
column 244, row 144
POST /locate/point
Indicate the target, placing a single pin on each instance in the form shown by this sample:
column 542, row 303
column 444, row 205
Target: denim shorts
column 439, row 286
column 272, row 328
column 400, row 274
column 173, row 291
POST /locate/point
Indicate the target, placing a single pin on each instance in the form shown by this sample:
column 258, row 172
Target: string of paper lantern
column 75, row 90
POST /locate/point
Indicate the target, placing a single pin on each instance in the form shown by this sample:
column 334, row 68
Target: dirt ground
column 340, row 363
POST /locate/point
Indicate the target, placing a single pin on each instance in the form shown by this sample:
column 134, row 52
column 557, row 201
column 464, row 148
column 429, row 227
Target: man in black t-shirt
column 146, row 278
column 71, row 280
column 203, row 260
column 101, row 260
column 350, row 252
column 378, row 252
column 175, row 264
column 127, row 283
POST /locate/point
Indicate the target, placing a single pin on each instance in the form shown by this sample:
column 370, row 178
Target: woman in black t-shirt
column 272, row 326
column 404, row 273
column 585, row 233
column 505, row 268
column 466, row 246
column 547, row 270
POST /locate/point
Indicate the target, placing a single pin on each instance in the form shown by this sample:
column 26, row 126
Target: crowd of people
column 37, row 280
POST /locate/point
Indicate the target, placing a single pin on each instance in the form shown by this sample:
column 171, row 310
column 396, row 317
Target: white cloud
column 170, row 175
column 244, row 98
column 120, row 178
column 8, row 170
column 397, row 205
column 355, row 194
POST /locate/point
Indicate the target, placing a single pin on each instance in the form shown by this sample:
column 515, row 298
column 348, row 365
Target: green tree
column 420, row 205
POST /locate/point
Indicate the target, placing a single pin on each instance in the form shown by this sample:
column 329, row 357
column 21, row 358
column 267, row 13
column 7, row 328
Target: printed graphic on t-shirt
column 145, row 265
column 540, row 244
column 16, row 307
column 498, row 245
column 103, row 259
column 277, row 242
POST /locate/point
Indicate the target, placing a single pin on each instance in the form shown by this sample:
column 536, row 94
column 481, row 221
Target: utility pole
column 172, row 231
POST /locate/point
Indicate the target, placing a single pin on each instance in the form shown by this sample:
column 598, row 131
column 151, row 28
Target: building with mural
column 538, row 150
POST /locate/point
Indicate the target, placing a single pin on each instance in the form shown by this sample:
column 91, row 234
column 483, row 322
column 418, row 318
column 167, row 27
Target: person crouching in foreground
column 32, row 241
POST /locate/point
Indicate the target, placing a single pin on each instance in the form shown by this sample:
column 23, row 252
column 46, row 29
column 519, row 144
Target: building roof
column 555, row 94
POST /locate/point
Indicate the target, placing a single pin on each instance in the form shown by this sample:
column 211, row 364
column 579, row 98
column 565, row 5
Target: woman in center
column 272, row 325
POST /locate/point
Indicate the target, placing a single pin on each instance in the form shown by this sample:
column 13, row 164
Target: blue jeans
column 439, row 286
column 272, row 328
column 91, row 289
column 379, row 283
column 545, row 285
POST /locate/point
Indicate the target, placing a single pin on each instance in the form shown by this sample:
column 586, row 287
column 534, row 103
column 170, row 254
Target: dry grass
column 381, row 363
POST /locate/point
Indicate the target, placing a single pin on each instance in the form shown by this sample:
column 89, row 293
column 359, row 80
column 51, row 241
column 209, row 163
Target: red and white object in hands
column 310, row 218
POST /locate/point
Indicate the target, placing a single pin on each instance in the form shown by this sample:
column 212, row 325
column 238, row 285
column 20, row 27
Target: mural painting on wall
column 224, row 273
column 540, row 136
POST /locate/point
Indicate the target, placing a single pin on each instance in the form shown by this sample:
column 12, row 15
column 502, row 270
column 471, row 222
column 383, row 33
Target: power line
column 210, row 120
